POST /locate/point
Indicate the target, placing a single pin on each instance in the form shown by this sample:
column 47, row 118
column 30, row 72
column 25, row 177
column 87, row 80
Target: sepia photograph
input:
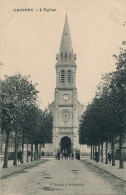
column 63, row 97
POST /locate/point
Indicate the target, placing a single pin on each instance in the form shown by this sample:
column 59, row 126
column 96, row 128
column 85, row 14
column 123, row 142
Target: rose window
column 65, row 115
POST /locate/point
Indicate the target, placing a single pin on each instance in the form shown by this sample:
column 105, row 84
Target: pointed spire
column 66, row 44
column 66, row 55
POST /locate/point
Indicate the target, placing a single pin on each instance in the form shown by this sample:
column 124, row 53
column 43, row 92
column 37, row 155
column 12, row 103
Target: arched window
column 62, row 56
column 70, row 56
column 69, row 76
column 65, row 57
column 62, row 78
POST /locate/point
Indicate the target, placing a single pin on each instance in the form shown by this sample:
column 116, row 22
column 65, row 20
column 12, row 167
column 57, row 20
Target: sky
column 30, row 41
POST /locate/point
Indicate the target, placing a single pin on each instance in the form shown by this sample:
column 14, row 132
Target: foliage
column 17, row 91
column 105, row 118
column 38, row 125
column 21, row 116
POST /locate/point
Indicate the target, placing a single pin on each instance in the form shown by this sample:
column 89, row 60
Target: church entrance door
column 65, row 146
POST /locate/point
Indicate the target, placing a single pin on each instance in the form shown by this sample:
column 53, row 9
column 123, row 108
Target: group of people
column 67, row 155
column 97, row 157
column 19, row 155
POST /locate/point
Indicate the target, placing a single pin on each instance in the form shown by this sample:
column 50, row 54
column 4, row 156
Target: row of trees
column 104, row 120
column 22, row 118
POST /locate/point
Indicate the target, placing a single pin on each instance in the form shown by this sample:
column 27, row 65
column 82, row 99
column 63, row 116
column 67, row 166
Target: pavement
column 12, row 169
column 108, row 168
column 61, row 177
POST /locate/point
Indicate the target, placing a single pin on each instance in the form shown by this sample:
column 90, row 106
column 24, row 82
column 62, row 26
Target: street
column 61, row 177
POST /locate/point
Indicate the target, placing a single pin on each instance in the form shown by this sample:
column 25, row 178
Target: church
column 66, row 109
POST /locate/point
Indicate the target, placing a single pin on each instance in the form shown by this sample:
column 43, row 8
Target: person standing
column 19, row 155
column 96, row 156
column 42, row 153
column 58, row 155
column 109, row 157
column 72, row 155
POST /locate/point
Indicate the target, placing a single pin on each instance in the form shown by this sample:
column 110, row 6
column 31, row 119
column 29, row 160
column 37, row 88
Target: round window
column 65, row 115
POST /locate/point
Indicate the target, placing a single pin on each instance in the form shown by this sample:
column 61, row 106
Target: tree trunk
column 98, row 152
column 91, row 152
column 106, row 153
column 102, row 152
column 95, row 148
column 22, row 156
column 15, row 152
column 5, row 164
column 27, row 153
column 31, row 152
column 113, row 153
column 39, row 151
column 36, row 151
column 121, row 166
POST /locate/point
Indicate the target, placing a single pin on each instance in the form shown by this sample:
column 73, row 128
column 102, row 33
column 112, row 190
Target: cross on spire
column 66, row 8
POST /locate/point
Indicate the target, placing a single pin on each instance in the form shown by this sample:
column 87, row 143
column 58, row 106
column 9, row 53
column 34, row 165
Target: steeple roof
column 66, row 55
column 66, row 44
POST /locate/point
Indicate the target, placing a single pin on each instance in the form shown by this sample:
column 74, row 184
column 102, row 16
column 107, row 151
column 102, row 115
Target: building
column 66, row 108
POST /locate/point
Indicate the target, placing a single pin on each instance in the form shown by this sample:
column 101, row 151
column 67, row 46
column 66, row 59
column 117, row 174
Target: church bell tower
column 66, row 108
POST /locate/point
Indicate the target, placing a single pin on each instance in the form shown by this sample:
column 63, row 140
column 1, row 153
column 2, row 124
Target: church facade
column 66, row 108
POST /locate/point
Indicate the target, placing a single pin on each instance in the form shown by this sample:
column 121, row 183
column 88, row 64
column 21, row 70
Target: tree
column 37, row 126
column 43, row 130
column 118, row 87
column 17, row 92
column 105, row 118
